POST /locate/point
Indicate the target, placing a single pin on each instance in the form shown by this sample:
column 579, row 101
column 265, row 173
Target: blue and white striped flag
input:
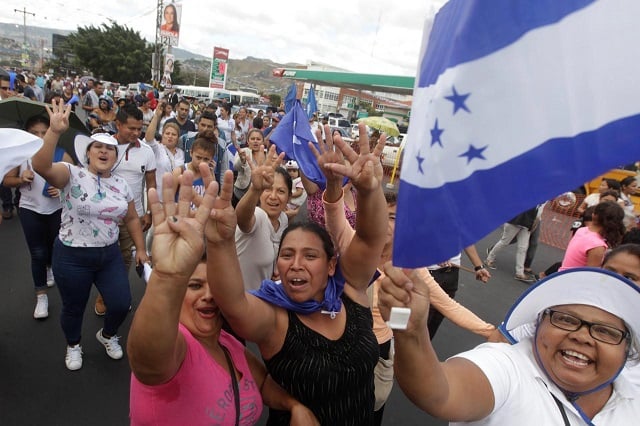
column 516, row 101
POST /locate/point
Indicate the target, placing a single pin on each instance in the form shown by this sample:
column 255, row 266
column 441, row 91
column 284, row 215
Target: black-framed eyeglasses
column 600, row 332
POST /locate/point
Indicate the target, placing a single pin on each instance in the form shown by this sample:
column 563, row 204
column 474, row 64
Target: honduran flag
column 516, row 101
column 292, row 136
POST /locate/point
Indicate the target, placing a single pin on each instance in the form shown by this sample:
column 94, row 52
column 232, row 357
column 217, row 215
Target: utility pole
column 158, row 63
column 24, row 21
column 24, row 12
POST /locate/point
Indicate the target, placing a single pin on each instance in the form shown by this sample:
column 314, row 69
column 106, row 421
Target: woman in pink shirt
column 186, row 370
column 588, row 245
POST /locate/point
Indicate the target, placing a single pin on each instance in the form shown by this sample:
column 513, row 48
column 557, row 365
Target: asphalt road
column 37, row 389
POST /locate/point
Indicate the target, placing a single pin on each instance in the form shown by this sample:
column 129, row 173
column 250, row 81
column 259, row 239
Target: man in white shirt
column 138, row 168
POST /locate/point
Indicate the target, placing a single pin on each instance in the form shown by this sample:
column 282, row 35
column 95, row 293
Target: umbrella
column 383, row 124
column 15, row 111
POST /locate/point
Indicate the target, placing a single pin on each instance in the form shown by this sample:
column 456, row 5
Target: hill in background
column 249, row 72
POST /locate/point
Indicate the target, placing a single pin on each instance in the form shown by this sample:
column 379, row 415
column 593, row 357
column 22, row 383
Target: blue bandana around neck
column 273, row 292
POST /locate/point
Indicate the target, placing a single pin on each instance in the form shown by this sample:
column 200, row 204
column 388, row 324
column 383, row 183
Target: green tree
column 370, row 110
column 113, row 53
column 275, row 100
column 176, row 76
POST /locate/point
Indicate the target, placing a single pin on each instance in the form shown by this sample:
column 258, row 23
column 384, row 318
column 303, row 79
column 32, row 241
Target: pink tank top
column 200, row 393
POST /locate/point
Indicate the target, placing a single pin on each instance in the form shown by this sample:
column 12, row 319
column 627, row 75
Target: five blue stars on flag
column 459, row 103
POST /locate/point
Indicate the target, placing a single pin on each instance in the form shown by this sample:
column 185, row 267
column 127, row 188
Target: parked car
column 121, row 92
column 393, row 147
column 345, row 135
column 342, row 123
column 355, row 131
column 133, row 89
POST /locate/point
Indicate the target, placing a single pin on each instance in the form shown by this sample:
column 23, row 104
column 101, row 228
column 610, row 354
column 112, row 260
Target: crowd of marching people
column 245, row 246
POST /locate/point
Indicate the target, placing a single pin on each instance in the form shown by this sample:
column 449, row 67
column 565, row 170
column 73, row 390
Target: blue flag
column 291, row 97
column 537, row 105
column 231, row 154
column 292, row 137
column 312, row 106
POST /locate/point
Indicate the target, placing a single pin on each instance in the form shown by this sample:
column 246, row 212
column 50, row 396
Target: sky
column 369, row 36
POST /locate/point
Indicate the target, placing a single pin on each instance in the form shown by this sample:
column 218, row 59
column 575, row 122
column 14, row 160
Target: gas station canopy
column 371, row 82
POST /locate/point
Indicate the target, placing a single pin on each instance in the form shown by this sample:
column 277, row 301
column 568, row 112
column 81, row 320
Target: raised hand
column 364, row 169
column 177, row 242
column 262, row 176
column 58, row 116
column 221, row 226
column 328, row 154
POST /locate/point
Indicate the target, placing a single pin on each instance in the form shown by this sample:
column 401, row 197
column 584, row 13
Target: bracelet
column 478, row 268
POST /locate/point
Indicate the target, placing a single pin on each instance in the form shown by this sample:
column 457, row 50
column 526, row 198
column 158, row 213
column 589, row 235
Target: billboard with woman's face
column 170, row 27
column 169, row 60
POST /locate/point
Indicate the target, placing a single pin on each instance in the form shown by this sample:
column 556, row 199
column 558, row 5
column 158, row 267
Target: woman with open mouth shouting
column 185, row 368
column 314, row 327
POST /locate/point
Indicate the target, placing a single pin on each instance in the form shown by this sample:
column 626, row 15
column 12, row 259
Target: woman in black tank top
column 314, row 328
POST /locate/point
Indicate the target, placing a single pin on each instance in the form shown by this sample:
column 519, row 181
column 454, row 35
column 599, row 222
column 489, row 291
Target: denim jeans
column 7, row 198
column 76, row 270
column 40, row 231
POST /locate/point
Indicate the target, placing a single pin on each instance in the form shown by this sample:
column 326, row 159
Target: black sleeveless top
column 333, row 378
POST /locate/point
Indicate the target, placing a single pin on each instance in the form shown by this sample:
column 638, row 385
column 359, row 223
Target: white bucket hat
column 82, row 142
column 579, row 286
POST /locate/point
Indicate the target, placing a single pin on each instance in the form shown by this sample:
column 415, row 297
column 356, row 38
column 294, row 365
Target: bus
column 205, row 94
column 244, row 98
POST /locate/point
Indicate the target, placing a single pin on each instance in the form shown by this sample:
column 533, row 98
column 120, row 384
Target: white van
column 342, row 123
column 133, row 89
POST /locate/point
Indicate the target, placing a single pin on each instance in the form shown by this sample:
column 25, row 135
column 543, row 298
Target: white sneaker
column 50, row 280
column 42, row 307
column 114, row 350
column 73, row 360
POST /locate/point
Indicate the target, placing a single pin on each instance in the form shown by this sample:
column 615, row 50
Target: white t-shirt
column 165, row 162
column 522, row 391
column 133, row 166
column 31, row 197
column 92, row 208
column 298, row 201
column 146, row 119
column 227, row 126
column 241, row 135
column 258, row 249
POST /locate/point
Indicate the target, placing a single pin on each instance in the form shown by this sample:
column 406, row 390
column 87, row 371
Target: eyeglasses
column 600, row 332
column 4, row 87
